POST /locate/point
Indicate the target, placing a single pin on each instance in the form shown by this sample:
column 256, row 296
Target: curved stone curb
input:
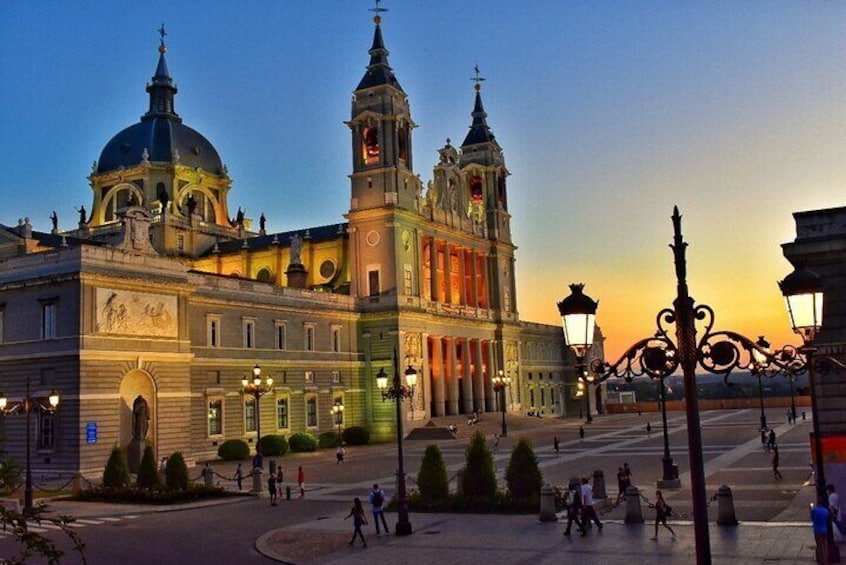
column 298, row 546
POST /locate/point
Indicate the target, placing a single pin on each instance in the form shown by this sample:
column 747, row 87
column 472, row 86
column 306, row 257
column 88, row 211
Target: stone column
column 436, row 363
column 433, row 271
column 452, row 383
column 462, row 287
column 447, row 273
column 478, row 375
column 466, row 378
column 474, row 297
column 490, row 403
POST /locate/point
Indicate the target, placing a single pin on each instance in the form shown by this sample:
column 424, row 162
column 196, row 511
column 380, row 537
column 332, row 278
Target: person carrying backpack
column 377, row 504
column 574, row 510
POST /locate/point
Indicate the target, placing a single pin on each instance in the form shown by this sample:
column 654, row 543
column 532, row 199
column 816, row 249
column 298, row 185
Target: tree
column 176, row 472
column 523, row 475
column 148, row 473
column 432, row 478
column 479, row 479
column 116, row 474
column 32, row 543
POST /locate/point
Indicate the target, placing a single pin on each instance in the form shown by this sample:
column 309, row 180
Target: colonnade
column 453, row 274
column 460, row 371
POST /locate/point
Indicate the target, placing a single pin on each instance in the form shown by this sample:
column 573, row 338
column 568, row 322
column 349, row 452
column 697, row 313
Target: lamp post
column 578, row 318
column 338, row 414
column 669, row 478
column 397, row 392
column 27, row 405
column 759, row 368
column 256, row 388
column 500, row 382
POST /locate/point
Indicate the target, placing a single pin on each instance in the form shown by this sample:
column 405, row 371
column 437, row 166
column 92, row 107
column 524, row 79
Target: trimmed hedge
column 479, row 480
column 116, row 473
column 432, row 478
column 151, row 496
column 356, row 435
column 328, row 440
column 522, row 475
column 273, row 445
column 302, row 442
column 233, row 450
column 176, row 472
column 148, row 472
column 497, row 503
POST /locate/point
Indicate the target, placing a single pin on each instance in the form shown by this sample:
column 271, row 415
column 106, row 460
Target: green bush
column 148, row 473
column 479, row 479
column 522, row 475
column 176, row 472
column 432, row 478
column 328, row 439
column 273, row 445
column 116, row 474
column 498, row 503
column 233, row 450
column 303, row 441
column 356, row 435
column 152, row 496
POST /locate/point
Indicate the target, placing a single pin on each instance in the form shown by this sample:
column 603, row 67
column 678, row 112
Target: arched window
column 197, row 202
column 476, row 193
column 116, row 198
column 264, row 275
column 402, row 136
column 370, row 145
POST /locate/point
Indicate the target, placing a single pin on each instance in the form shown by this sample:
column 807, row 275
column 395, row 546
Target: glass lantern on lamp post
column 27, row 405
column 338, row 415
column 578, row 319
column 257, row 388
column 398, row 392
column 500, row 382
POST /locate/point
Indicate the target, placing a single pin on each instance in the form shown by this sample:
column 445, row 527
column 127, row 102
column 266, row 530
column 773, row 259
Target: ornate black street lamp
column 27, row 405
column 338, row 414
column 578, row 318
column 669, row 478
column 256, row 388
column 500, row 382
column 718, row 352
column 759, row 369
column 397, row 392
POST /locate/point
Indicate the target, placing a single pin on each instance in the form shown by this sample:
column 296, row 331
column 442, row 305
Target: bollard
column 547, row 504
column 725, row 507
column 459, row 482
column 76, row 483
column 634, row 514
column 288, row 492
column 208, row 476
column 257, row 486
column 599, row 485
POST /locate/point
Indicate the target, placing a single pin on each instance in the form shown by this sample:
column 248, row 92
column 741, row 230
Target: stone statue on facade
column 296, row 249
column 140, row 419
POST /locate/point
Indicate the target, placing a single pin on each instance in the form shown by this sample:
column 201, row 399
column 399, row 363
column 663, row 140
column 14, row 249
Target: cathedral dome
column 160, row 136
column 165, row 140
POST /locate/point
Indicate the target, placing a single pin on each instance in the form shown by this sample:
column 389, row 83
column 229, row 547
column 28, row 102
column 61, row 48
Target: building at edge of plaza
column 158, row 293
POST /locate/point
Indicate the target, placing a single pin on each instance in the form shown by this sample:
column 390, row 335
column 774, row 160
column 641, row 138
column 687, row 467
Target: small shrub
column 303, row 441
column 273, row 445
column 432, row 478
column 233, row 450
column 522, row 475
column 176, row 472
column 327, row 440
column 479, row 479
column 356, row 435
column 116, row 473
column 148, row 473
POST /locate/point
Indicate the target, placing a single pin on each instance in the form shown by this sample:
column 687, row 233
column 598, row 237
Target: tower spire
column 161, row 89
column 379, row 72
column 479, row 132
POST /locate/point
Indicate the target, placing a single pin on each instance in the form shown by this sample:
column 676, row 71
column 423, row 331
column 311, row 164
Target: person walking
column 271, row 488
column 574, row 509
column 588, row 512
column 239, row 477
column 662, row 511
column 581, row 433
column 359, row 520
column 496, row 441
column 819, row 518
column 628, row 471
column 775, row 457
column 340, row 453
column 771, row 440
column 648, row 429
column 301, row 481
column 623, row 483
column 556, row 445
column 377, row 505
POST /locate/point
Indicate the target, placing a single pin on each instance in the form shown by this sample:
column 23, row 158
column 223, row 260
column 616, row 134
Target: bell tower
column 381, row 126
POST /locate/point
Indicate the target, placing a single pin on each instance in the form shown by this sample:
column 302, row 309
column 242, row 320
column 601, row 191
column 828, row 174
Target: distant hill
column 742, row 385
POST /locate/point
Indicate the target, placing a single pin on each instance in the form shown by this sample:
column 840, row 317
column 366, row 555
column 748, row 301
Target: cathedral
column 162, row 292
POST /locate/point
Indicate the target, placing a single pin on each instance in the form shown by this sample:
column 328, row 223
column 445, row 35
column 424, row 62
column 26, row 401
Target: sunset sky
column 609, row 113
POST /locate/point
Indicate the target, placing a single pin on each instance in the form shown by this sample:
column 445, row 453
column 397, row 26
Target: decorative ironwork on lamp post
column 759, row 369
column 397, row 392
column 500, row 382
column 256, row 388
column 718, row 352
column 578, row 319
column 27, row 405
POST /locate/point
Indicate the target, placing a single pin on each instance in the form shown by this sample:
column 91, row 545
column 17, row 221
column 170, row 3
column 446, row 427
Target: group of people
column 825, row 511
column 580, row 507
column 377, row 500
column 274, row 482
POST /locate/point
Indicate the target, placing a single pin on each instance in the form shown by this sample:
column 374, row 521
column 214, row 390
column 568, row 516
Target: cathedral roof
column 160, row 136
column 378, row 72
column 283, row 239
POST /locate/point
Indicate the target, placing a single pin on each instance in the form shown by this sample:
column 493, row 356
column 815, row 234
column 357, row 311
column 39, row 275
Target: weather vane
column 478, row 79
column 162, row 34
column 377, row 19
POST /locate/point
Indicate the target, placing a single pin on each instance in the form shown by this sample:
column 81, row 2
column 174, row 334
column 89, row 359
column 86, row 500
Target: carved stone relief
column 136, row 313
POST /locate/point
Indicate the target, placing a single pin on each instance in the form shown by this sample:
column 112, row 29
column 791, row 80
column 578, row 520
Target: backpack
column 378, row 498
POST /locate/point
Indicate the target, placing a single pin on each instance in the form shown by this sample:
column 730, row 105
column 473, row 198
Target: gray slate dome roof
column 161, row 132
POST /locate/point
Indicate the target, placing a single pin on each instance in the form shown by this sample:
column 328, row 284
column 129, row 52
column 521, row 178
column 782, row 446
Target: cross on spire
column 162, row 34
column 377, row 19
column 478, row 79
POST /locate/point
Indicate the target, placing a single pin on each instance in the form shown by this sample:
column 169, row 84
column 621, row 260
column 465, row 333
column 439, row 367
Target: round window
column 327, row 269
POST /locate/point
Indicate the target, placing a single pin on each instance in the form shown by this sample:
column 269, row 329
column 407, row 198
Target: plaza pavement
column 774, row 515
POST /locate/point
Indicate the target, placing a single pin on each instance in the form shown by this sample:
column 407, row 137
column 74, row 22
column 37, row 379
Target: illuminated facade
column 160, row 292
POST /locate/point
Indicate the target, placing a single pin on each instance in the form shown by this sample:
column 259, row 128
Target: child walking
column 359, row 520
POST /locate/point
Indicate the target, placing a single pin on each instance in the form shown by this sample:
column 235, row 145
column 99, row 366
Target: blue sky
column 609, row 114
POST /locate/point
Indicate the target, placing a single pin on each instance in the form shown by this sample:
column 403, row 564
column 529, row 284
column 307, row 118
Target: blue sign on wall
column 91, row 432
